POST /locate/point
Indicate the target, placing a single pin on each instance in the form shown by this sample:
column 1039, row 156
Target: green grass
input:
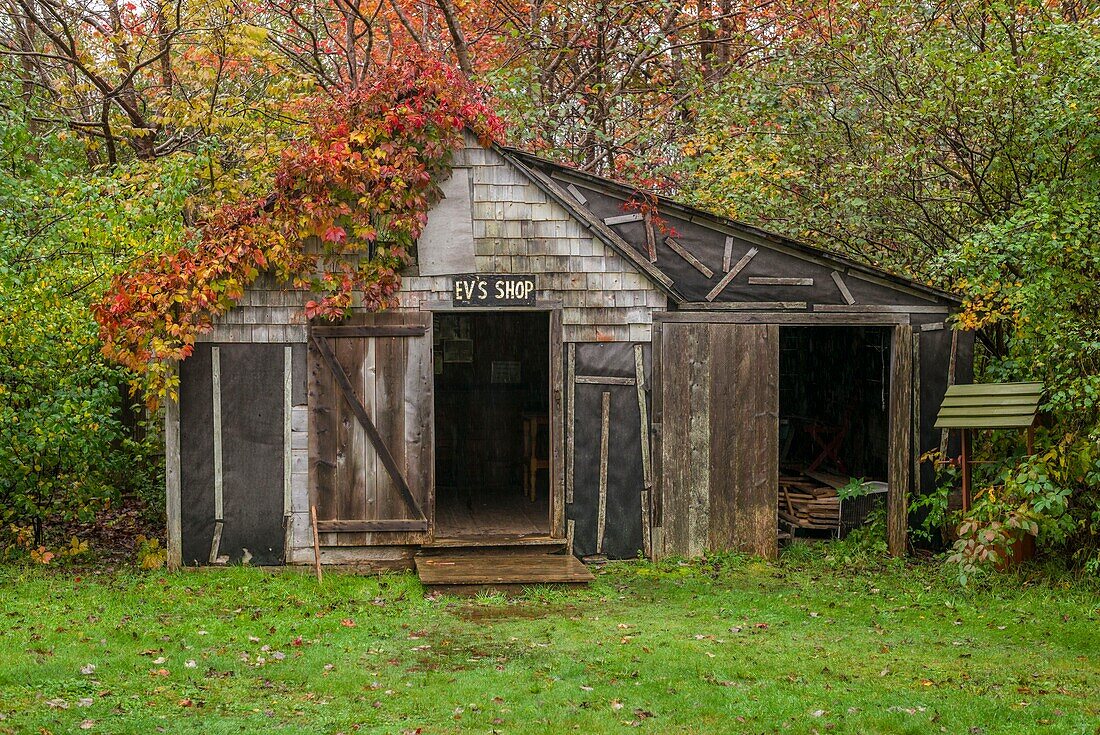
column 727, row 645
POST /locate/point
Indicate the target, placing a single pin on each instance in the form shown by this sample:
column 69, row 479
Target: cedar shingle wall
column 517, row 229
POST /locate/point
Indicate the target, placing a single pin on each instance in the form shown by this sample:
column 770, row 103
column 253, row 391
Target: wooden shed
column 562, row 371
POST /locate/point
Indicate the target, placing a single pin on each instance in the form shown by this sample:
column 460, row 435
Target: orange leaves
column 363, row 182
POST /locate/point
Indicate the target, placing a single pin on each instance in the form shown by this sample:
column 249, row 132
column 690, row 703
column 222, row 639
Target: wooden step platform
column 468, row 571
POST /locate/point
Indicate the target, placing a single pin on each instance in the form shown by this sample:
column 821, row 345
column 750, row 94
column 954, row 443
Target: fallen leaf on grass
column 347, row 623
column 87, row 724
column 87, row 669
column 57, row 704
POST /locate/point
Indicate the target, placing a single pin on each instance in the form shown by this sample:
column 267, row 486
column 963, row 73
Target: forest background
column 955, row 142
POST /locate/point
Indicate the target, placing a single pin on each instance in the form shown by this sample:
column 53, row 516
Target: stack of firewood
column 806, row 503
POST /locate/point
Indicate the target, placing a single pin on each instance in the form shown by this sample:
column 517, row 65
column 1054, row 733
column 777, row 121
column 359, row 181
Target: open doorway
column 492, row 424
column 834, row 389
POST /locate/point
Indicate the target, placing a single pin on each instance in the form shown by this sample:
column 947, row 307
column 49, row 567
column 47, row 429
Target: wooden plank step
column 493, row 570
column 538, row 541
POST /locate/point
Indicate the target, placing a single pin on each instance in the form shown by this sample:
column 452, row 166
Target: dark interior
column 492, row 408
column 834, row 385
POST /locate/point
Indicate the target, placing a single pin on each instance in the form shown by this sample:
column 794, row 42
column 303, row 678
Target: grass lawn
column 724, row 646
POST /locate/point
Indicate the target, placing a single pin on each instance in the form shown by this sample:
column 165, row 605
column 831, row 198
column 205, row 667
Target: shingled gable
column 713, row 262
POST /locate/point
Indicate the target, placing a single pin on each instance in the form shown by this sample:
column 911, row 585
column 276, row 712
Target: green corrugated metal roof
column 990, row 406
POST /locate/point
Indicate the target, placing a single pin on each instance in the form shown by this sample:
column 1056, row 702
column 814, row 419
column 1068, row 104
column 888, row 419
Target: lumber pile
column 808, row 503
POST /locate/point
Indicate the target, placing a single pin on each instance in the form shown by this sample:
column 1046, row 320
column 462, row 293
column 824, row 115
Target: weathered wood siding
column 718, row 412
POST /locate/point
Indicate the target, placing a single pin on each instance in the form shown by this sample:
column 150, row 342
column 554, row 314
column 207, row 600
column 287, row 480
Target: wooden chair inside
column 532, row 462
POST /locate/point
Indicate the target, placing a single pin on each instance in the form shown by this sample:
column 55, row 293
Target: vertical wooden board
column 323, row 421
column 755, row 457
column 419, row 423
column 729, row 394
column 351, row 500
column 374, row 492
column 744, row 433
column 900, row 441
column 676, row 412
column 391, row 355
column 700, row 380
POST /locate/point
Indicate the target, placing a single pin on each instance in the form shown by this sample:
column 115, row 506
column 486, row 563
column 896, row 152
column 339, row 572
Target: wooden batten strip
column 622, row 219
column 576, row 194
column 288, row 410
column 915, row 412
column 219, row 476
column 880, row 308
column 365, row 331
column 603, row 380
column 740, row 265
column 743, row 305
column 571, row 381
column 643, row 428
column 173, row 501
column 727, row 254
column 643, row 415
column 605, row 430
column 932, row 327
column 398, row 524
column 216, row 397
column 778, row 317
column 650, row 240
column 843, row 288
column 570, row 529
column 695, row 263
column 779, row 281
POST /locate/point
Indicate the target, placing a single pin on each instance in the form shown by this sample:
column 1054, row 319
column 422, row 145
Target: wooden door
column 716, row 417
column 370, row 430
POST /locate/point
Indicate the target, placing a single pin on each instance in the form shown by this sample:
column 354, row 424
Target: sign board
column 493, row 290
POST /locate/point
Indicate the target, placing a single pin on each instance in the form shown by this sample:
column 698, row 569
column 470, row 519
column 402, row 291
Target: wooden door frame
column 903, row 423
column 553, row 309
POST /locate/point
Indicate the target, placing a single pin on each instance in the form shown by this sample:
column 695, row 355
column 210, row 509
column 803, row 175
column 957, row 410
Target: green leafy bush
column 70, row 441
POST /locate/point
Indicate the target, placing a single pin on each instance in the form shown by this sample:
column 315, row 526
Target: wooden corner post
column 900, row 441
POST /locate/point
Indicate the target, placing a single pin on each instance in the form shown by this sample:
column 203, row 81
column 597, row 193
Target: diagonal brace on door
column 342, row 380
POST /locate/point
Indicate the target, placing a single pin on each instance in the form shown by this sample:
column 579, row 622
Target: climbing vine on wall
column 345, row 208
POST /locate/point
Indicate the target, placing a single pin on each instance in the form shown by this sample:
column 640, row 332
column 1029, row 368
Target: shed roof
column 683, row 283
column 990, row 406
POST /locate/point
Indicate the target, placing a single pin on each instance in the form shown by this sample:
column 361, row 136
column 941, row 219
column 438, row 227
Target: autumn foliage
column 345, row 207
